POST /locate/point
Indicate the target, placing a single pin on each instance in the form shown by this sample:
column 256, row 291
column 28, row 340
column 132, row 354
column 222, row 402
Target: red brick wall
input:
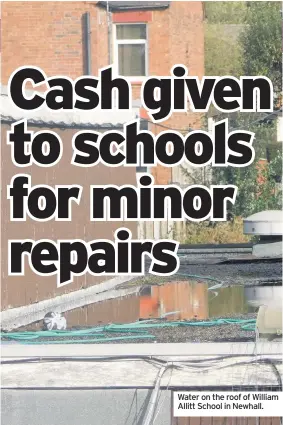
column 49, row 35
column 30, row 288
column 123, row 17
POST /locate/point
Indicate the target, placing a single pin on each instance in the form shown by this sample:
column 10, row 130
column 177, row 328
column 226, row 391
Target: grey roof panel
column 97, row 118
column 119, row 6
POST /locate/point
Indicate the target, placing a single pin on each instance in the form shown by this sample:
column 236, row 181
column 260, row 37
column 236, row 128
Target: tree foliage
column 224, row 23
column 223, row 51
column 257, row 186
column 262, row 41
column 245, row 38
column 225, row 12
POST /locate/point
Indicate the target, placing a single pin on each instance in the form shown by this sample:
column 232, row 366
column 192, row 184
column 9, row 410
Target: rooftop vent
column 264, row 223
column 269, row 321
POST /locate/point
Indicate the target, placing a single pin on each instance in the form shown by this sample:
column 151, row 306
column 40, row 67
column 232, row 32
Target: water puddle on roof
column 180, row 300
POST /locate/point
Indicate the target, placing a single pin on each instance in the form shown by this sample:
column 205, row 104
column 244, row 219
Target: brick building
column 74, row 39
column 139, row 37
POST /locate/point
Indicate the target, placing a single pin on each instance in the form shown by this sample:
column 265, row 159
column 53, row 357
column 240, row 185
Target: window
column 130, row 50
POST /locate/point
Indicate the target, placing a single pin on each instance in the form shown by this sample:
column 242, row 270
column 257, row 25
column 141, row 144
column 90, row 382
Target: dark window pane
column 131, row 59
column 141, row 168
column 144, row 125
column 131, row 32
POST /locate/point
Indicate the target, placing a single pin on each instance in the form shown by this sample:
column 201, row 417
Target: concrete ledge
column 266, row 250
column 139, row 373
column 98, row 350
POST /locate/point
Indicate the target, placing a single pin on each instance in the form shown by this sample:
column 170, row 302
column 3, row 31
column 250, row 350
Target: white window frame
column 116, row 44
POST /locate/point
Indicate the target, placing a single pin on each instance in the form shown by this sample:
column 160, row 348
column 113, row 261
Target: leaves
column 223, row 52
column 245, row 38
column 262, row 42
column 258, row 189
column 226, row 12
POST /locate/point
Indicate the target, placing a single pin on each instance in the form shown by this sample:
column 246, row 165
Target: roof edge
column 116, row 6
column 80, row 119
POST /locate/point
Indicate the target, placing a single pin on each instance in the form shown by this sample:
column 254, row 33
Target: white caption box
column 225, row 404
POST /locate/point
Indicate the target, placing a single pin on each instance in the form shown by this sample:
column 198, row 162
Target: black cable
column 119, row 357
column 189, row 128
column 82, row 359
column 63, row 126
column 273, row 363
column 165, row 126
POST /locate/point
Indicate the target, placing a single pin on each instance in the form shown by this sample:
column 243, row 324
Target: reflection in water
column 117, row 310
column 227, row 301
column 173, row 301
column 182, row 300
column 185, row 300
column 264, row 295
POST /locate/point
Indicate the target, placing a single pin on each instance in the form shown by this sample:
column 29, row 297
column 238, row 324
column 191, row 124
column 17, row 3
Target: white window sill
column 135, row 80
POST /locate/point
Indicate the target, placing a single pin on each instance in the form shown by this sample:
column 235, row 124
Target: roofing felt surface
column 241, row 273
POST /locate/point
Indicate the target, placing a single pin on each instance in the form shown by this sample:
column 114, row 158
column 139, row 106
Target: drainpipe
column 87, row 43
column 109, row 24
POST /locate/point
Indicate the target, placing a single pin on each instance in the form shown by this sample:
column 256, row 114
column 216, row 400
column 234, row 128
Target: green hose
column 87, row 341
column 249, row 326
column 142, row 325
column 138, row 328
